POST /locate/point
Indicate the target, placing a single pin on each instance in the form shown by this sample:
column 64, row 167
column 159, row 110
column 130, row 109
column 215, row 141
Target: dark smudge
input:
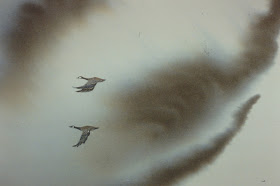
column 173, row 101
column 37, row 27
column 202, row 157
column 38, row 24
column 175, row 98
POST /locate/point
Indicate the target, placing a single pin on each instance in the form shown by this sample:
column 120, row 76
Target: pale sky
column 124, row 44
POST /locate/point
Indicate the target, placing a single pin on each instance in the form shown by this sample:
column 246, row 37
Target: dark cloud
column 37, row 27
column 173, row 99
column 260, row 47
column 202, row 157
column 39, row 24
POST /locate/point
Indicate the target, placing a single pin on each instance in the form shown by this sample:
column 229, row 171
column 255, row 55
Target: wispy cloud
column 203, row 156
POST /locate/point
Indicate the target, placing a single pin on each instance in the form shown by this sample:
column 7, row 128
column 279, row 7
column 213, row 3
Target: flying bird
column 86, row 132
column 89, row 86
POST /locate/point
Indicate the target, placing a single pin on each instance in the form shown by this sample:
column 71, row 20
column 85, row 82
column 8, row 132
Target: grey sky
column 37, row 141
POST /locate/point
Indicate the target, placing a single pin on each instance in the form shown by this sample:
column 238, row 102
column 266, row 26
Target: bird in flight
column 86, row 132
column 89, row 86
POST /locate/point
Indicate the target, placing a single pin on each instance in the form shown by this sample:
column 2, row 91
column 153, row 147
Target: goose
column 86, row 132
column 89, row 86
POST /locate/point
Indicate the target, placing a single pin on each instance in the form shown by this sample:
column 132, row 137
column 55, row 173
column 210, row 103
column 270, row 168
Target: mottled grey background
column 124, row 44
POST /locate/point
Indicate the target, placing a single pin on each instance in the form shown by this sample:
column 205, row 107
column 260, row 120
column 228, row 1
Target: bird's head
column 80, row 77
column 98, row 79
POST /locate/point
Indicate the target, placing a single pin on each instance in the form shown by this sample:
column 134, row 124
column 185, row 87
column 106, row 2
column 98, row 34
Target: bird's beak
column 96, row 128
column 103, row 80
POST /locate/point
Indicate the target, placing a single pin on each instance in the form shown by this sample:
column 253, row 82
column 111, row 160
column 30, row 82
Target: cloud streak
column 201, row 157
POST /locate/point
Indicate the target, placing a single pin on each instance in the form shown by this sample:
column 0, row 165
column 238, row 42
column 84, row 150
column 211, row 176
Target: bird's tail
column 78, row 87
column 77, row 145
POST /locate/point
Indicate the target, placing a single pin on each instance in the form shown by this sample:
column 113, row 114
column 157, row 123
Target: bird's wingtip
column 82, row 90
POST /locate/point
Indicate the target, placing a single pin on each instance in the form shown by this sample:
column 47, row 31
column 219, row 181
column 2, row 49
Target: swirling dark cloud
column 203, row 156
column 174, row 99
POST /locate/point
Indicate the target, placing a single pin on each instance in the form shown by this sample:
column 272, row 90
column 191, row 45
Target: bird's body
column 86, row 132
column 89, row 86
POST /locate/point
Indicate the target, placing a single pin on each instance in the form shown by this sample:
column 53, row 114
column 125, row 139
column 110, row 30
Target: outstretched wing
column 86, row 86
column 85, row 90
column 83, row 138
